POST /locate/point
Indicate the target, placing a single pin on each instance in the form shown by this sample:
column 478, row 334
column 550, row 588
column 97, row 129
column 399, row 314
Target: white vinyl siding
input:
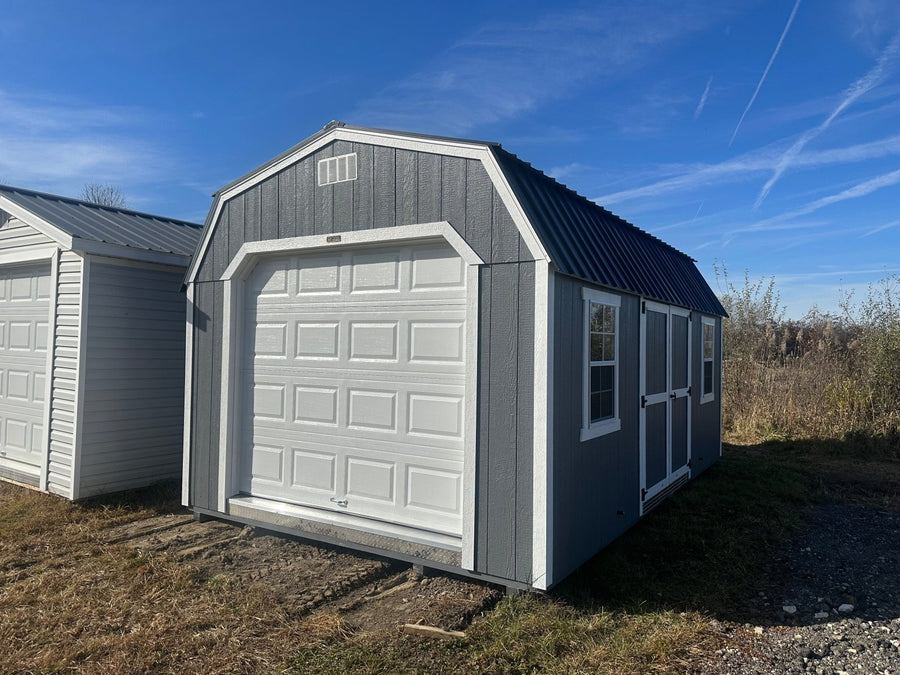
column 65, row 375
column 600, row 382
column 16, row 236
column 134, row 369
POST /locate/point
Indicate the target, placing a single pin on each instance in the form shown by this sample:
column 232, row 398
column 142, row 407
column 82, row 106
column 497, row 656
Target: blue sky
column 764, row 135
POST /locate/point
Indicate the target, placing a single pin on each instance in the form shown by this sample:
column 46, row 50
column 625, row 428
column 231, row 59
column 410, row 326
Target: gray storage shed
column 91, row 344
column 426, row 348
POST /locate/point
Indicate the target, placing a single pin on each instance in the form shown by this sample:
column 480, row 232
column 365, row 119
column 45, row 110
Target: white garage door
column 24, row 315
column 354, row 382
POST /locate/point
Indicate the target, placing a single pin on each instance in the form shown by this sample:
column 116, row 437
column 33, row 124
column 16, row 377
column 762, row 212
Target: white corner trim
column 449, row 147
column 473, row 287
column 542, row 457
column 78, row 431
column 242, row 261
column 230, row 337
column 48, row 377
column 59, row 236
column 188, row 394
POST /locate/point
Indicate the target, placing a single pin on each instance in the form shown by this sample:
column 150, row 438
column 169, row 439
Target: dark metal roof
column 93, row 222
column 587, row 241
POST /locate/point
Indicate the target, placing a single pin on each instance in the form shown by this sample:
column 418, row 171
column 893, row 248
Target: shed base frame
column 334, row 536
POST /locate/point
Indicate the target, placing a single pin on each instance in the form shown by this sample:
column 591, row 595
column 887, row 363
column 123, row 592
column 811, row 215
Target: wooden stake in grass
column 432, row 632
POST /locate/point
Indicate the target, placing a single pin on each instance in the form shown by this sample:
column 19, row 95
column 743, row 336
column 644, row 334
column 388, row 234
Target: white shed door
column 354, row 378
column 24, row 318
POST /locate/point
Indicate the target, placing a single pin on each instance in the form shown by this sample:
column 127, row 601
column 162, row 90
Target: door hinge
column 643, row 401
column 690, row 316
column 643, row 493
column 689, row 391
column 689, row 463
column 643, row 307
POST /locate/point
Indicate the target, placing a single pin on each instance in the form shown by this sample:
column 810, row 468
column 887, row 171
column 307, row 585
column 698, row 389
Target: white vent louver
column 337, row 169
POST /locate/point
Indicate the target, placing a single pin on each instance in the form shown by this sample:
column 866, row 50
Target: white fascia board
column 309, row 244
column 398, row 141
column 61, row 237
column 128, row 252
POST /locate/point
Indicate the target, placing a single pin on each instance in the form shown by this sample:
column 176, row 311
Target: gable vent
column 337, row 169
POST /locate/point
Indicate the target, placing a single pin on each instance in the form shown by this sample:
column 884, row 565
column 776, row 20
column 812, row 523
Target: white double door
column 354, row 376
column 665, row 417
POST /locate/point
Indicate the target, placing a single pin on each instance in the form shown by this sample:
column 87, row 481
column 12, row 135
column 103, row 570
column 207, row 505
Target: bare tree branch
column 105, row 195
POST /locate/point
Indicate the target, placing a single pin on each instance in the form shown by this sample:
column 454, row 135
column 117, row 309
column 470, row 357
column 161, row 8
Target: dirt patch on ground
column 367, row 593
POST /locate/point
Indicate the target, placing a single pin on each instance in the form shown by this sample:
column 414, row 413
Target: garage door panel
column 24, row 321
column 357, row 373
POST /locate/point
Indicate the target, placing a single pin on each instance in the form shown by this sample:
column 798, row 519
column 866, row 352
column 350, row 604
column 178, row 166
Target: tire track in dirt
column 367, row 592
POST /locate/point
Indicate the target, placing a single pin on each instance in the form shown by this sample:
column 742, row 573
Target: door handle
column 339, row 502
column 673, row 395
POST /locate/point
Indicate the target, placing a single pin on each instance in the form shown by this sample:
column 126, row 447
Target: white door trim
column 48, row 383
column 233, row 282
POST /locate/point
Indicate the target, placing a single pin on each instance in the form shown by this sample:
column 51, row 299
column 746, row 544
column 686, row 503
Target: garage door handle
column 339, row 502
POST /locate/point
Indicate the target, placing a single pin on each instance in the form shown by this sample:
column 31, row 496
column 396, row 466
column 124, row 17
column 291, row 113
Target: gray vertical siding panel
column 501, row 465
column 287, row 203
column 453, row 193
column 385, row 187
column 202, row 402
column 344, row 217
column 251, row 214
column 706, row 420
column 324, row 195
column 478, row 198
column 268, row 209
column 429, row 185
column 219, row 252
column 593, row 480
column 504, row 235
column 364, row 192
column 133, row 399
column 525, row 423
column 237, row 230
column 306, row 197
column 215, row 392
column 406, row 182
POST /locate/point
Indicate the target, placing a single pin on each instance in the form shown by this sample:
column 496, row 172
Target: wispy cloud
column 855, row 192
column 882, row 228
column 691, row 177
column 59, row 145
column 702, row 103
column 762, row 79
column 863, row 85
column 504, row 70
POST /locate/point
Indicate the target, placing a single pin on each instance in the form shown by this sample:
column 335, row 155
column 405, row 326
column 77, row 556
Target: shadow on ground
column 778, row 533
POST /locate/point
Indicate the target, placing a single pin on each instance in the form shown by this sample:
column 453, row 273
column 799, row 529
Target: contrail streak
column 766, row 71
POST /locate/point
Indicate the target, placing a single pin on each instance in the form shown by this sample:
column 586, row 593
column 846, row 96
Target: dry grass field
column 136, row 585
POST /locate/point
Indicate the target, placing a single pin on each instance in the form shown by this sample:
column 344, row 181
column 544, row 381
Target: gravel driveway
column 830, row 603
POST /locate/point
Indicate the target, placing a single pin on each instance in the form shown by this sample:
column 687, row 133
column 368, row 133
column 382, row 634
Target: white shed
column 91, row 344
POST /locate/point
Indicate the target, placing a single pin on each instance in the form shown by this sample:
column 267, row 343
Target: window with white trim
column 600, row 391
column 708, row 377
